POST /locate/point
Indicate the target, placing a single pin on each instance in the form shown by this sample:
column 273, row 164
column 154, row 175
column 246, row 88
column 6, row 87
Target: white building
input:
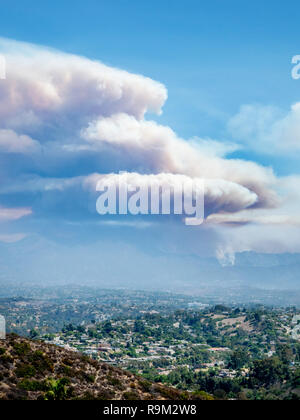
column 2, row 328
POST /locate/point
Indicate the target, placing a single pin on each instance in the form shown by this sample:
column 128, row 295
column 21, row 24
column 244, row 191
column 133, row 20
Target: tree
column 285, row 353
column 33, row 334
column 267, row 371
column 107, row 327
column 139, row 326
column 58, row 390
column 238, row 359
column 81, row 329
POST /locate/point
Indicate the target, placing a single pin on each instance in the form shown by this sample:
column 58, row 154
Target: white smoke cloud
column 52, row 89
column 267, row 129
column 225, row 256
column 9, row 214
column 159, row 149
column 12, row 238
column 77, row 112
column 219, row 195
column 11, row 142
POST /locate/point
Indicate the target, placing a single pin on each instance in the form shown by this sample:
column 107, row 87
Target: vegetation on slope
column 34, row 370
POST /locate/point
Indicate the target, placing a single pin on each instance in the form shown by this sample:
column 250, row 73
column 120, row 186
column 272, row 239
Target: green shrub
column 146, row 386
column 67, row 371
column 34, row 386
column 131, row 396
column 88, row 396
column 41, row 362
column 58, row 390
column 21, row 349
column 105, row 395
column 169, row 393
column 5, row 359
column 89, row 378
column 201, row 395
column 114, row 381
column 25, row 371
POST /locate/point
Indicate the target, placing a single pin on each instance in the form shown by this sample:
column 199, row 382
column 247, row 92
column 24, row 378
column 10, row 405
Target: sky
column 198, row 89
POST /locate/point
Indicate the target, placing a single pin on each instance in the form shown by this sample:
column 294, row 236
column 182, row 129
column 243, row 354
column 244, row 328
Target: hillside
column 35, row 370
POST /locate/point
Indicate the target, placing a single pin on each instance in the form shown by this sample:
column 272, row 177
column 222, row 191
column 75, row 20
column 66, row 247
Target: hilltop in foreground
column 35, row 370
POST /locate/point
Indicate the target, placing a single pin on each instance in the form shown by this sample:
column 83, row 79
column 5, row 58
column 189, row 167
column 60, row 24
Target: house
column 104, row 347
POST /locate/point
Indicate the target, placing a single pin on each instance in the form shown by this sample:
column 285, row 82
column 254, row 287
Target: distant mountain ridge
column 43, row 262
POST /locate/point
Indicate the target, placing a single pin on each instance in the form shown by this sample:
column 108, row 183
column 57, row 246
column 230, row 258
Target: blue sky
column 232, row 104
column 212, row 56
